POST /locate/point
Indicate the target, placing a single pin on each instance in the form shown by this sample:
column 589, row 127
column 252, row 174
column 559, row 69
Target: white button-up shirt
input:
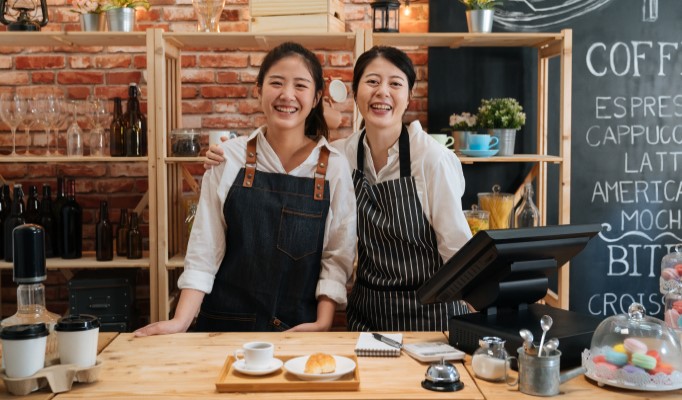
column 207, row 243
column 439, row 179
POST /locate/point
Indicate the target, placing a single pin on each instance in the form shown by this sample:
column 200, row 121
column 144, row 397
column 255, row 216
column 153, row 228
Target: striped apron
column 397, row 253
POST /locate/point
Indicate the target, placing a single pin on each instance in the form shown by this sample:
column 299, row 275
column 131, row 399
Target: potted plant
column 502, row 117
column 91, row 14
column 480, row 14
column 121, row 13
column 462, row 125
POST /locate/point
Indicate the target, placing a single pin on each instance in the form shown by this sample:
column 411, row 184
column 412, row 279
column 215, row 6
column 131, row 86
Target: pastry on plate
column 320, row 363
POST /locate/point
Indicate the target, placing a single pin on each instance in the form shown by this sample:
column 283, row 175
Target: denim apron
column 275, row 230
column 397, row 253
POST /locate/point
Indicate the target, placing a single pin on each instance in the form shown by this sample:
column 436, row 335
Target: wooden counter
column 44, row 394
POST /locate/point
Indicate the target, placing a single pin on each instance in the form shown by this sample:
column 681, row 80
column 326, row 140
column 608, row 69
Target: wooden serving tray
column 231, row 380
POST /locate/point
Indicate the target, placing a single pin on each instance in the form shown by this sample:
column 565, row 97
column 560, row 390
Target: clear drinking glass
column 97, row 110
column 208, row 14
column 12, row 111
column 29, row 122
column 56, row 115
column 74, row 134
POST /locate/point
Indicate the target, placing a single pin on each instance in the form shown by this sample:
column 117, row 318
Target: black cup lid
column 29, row 254
column 24, row 332
column 77, row 322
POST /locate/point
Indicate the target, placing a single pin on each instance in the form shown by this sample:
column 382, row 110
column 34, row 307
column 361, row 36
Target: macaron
column 616, row 357
column 678, row 269
column 677, row 305
column 607, row 366
column 669, row 274
column 631, row 369
column 620, row 348
column 662, row 368
column 633, row 345
column 672, row 318
column 599, row 358
column 643, row 361
column 653, row 353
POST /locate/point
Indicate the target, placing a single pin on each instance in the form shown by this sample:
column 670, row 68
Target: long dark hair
column 395, row 56
column 315, row 125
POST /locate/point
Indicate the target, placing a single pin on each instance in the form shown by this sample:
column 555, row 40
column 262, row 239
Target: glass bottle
column 32, row 206
column 15, row 219
column 135, row 133
column 527, row 214
column 489, row 360
column 116, row 148
column 48, row 222
column 29, row 274
column 71, row 224
column 134, row 238
column 5, row 210
column 74, row 135
column 59, row 201
column 104, row 235
column 122, row 234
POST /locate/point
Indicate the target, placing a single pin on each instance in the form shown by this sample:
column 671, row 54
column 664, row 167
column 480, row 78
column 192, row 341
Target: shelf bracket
column 190, row 180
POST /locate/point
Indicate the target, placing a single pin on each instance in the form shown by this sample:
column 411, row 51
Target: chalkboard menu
column 626, row 133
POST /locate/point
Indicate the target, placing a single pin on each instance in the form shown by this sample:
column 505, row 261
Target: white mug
column 444, row 139
column 256, row 355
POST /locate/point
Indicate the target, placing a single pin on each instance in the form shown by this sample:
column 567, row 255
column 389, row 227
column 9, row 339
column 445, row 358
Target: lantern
column 22, row 13
column 385, row 15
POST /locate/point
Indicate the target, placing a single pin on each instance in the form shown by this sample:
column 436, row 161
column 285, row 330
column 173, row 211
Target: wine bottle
column 122, row 234
column 134, row 238
column 135, row 132
column 104, row 235
column 527, row 214
column 116, row 128
column 57, row 215
column 32, row 206
column 15, row 219
column 48, row 222
column 5, row 209
column 71, row 224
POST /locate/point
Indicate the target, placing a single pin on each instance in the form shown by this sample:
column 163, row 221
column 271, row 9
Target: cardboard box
column 315, row 23
column 272, row 8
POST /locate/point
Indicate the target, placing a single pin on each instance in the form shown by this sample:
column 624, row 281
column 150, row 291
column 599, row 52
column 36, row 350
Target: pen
column 388, row 341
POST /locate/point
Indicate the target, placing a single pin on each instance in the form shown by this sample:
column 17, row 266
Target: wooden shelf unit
column 61, row 40
column 548, row 46
column 166, row 101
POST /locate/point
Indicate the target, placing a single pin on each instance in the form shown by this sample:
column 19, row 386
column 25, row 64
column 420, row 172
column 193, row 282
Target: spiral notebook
column 368, row 346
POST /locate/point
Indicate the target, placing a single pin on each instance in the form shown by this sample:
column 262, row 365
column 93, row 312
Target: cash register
column 502, row 274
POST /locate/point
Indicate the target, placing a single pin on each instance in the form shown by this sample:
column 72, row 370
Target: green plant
column 112, row 4
column 463, row 122
column 480, row 4
column 501, row 113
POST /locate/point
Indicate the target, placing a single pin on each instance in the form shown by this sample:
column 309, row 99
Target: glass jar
column 671, row 270
column 185, row 142
column 673, row 309
column 478, row 220
column 490, row 359
column 499, row 205
column 527, row 214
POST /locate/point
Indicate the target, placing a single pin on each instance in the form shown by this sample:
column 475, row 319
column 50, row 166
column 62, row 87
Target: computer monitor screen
column 507, row 267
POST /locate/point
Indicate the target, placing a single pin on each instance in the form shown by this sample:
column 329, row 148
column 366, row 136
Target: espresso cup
column 482, row 142
column 23, row 349
column 77, row 339
column 443, row 139
column 256, row 355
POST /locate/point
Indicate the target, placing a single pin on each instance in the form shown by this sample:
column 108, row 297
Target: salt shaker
column 489, row 360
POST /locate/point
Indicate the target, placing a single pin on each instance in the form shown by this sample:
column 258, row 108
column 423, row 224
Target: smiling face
column 287, row 94
column 383, row 94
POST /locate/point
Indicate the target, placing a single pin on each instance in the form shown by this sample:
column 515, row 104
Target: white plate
column 296, row 366
column 479, row 153
column 275, row 365
column 338, row 91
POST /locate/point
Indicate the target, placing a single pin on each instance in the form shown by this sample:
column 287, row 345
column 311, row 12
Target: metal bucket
column 539, row 376
column 121, row 19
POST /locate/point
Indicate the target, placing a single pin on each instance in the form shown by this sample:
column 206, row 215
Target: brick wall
column 217, row 93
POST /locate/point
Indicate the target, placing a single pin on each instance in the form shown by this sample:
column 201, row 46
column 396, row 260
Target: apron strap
column 250, row 165
column 320, row 172
column 403, row 152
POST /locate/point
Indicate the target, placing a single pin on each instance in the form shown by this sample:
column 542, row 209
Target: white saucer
column 275, row 365
column 296, row 366
column 338, row 91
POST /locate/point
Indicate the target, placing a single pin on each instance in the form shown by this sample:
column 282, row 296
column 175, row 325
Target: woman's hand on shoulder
column 161, row 328
column 214, row 155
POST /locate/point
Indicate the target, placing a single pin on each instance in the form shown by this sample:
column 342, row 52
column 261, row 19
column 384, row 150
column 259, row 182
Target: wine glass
column 45, row 110
column 12, row 110
column 30, row 121
column 97, row 111
column 74, row 134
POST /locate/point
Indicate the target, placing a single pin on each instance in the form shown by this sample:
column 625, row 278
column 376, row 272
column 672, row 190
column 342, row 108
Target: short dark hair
column 315, row 125
column 395, row 56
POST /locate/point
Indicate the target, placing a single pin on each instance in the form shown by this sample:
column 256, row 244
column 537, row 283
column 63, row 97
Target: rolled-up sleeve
column 338, row 252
